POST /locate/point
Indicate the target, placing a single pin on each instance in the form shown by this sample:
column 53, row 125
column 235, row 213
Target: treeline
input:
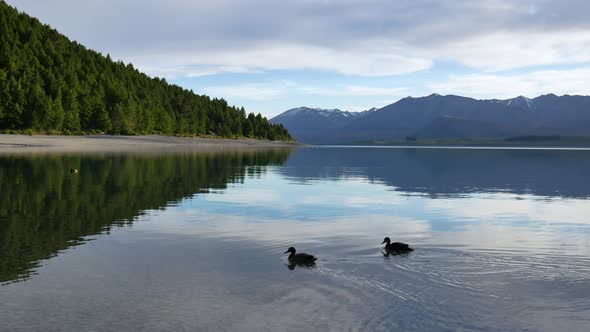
column 45, row 209
column 51, row 84
column 533, row 138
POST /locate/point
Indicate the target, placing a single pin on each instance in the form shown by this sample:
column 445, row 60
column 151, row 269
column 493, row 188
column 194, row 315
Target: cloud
column 257, row 92
column 356, row 90
column 351, row 37
column 277, row 89
column 373, row 60
column 508, row 50
column 158, row 69
column 573, row 81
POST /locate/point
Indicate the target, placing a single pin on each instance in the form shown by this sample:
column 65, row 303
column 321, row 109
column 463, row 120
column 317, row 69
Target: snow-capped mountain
column 313, row 112
column 307, row 124
column 519, row 102
column 437, row 116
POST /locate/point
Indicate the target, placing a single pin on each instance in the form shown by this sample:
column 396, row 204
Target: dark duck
column 301, row 259
column 396, row 247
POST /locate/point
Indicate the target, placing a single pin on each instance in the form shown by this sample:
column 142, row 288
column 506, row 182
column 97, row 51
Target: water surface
column 196, row 241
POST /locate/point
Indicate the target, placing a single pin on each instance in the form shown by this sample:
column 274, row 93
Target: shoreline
column 12, row 144
column 462, row 147
column 565, row 142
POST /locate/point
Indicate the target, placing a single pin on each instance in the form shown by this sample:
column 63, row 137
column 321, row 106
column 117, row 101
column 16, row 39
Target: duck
column 396, row 247
column 301, row 258
column 74, row 170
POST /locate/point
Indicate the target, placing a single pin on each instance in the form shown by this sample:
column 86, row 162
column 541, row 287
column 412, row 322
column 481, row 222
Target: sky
column 270, row 56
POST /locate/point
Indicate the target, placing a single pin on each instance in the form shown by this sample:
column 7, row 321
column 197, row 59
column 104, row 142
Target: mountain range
column 442, row 117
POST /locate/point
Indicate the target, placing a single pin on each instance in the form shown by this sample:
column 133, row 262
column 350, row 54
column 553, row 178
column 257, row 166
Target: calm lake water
column 195, row 241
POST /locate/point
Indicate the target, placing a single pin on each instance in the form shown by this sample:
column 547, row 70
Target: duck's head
column 290, row 250
column 386, row 240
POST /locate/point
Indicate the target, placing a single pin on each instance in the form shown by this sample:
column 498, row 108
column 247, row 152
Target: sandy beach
column 107, row 143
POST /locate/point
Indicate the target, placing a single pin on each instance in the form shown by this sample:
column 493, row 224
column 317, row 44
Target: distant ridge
column 443, row 117
column 311, row 124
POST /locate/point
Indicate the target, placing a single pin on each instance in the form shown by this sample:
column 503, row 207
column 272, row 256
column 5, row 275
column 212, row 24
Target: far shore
column 109, row 143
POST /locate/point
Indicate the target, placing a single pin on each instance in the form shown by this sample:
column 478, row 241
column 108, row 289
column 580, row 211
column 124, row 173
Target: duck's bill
column 286, row 252
column 382, row 242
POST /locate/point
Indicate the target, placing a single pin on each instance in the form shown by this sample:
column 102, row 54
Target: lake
column 195, row 241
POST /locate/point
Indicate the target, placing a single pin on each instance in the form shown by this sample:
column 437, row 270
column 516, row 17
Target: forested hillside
column 51, row 84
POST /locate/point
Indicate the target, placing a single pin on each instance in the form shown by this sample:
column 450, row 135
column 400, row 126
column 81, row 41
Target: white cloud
column 375, row 58
column 257, row 92
column 356, row 90
column 573, row 81
column 276, row 89
column 503, row 50
column 173, row 72
column 491, row 52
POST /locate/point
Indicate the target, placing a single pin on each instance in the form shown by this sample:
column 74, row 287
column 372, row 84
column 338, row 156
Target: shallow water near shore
column 195, row 241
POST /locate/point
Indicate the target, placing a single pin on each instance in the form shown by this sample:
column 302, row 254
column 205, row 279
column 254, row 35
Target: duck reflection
column 387, row 253
column 291, row 266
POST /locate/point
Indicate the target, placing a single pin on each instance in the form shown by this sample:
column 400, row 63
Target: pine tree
column 4, row 95
column 72, row 114
column 55, row 117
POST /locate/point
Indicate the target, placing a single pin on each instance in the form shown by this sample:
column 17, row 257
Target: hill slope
column 444, row 117
column 51, row 84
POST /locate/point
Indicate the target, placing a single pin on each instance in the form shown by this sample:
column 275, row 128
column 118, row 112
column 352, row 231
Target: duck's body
column 399, row 247
column 301, row 258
